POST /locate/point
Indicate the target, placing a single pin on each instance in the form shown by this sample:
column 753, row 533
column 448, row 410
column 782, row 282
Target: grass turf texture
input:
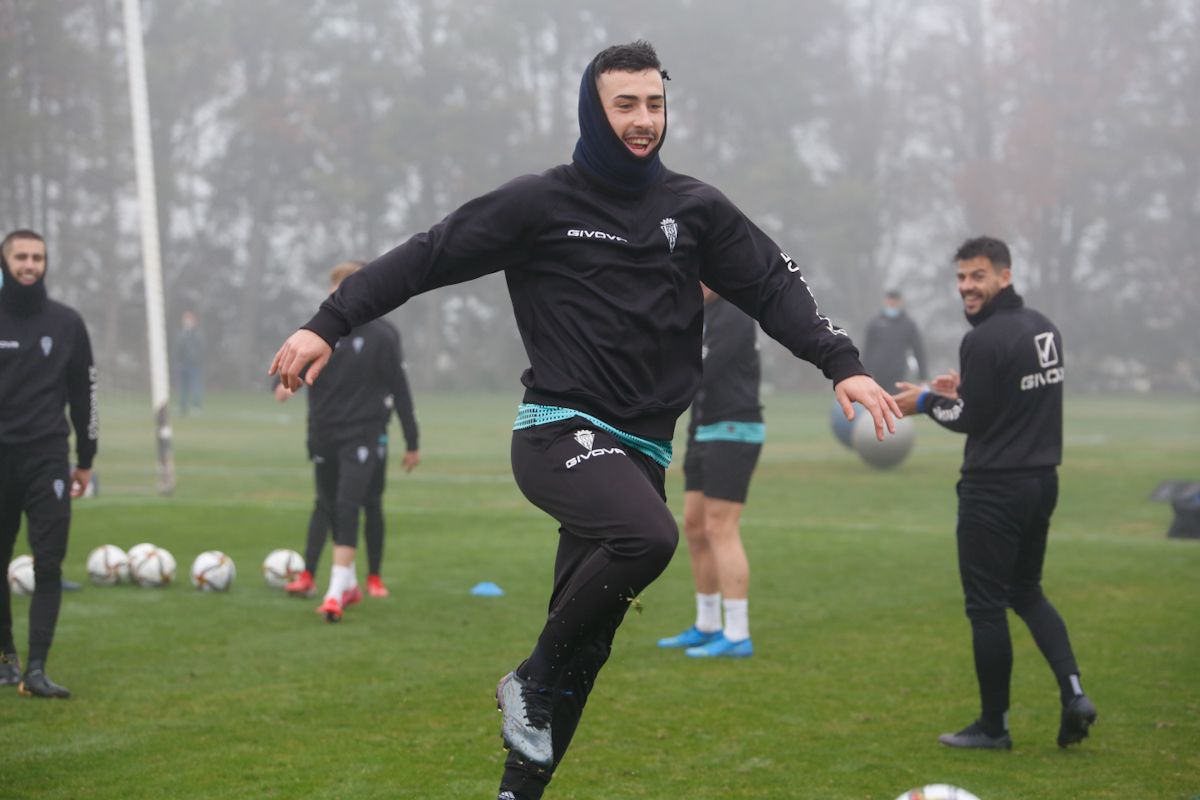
column 862, row 650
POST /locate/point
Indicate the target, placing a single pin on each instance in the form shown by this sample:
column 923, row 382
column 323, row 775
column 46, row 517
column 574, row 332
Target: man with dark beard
column 1009, row 402
column 603, row 259
column 45, row 365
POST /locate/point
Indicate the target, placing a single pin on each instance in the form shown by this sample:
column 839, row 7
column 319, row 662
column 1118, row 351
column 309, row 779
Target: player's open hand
column 302, row 349
column 411, row 459
column 946, row 385
column 863, row 390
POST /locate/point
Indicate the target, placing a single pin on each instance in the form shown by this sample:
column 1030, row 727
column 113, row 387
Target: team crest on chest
column 585, row 438
column 671, row 230
column 47, row 345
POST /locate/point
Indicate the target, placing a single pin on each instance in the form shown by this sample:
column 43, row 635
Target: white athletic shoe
column 526, row 724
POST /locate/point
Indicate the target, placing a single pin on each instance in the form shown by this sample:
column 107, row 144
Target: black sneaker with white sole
column 974, row 736
column 35, row 683
column 10, row 669
column 1077, row 716
column 525, row 727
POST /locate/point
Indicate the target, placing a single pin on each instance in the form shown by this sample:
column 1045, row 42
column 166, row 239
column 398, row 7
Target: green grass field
column 862, row 649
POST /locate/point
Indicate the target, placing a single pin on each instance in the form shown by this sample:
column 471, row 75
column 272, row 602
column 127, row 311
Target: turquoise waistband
column 746, row 432
column 530, row 415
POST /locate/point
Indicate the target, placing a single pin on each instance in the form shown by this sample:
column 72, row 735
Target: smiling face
column 26, row 260
column 636, row 107
column 979, row 280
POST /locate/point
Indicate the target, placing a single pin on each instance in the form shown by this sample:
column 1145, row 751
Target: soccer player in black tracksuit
column 45, row 364
column 725, row 438
column 348, row 416
column 603, row 258
column 1009, row 402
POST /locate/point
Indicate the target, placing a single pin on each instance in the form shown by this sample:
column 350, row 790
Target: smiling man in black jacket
column 1009, row 402
column 45, row 365
column 603, row 259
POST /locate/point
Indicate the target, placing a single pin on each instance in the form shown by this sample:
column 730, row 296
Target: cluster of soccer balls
column 149, row 565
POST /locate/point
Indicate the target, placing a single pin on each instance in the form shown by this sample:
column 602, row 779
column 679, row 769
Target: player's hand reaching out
column 863, row 389
column 947, row 384
column 302, row 349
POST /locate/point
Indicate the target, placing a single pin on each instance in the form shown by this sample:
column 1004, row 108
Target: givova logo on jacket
column 1047, row 353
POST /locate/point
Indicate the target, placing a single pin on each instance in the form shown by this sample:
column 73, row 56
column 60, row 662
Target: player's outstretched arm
column 302, row 349
column 863, row 390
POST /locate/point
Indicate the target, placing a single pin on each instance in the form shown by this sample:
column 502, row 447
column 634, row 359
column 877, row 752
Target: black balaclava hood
column 601, row 152
column 18, row 299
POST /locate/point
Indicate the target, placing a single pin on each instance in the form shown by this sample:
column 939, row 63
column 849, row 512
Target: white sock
column 340, row 580
column 737, row 620
column 708, row 612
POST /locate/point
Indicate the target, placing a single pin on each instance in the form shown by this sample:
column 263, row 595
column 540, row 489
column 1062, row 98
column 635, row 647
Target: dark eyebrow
column 636, row 97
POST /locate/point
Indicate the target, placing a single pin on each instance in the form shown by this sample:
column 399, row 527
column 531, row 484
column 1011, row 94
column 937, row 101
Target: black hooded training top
column 45, row 364
column 605, row 287
column 732, row 368
column 1010, row 394
column 350, row 398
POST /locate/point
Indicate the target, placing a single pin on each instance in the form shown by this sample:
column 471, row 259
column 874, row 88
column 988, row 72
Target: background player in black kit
column 1009, row 402
column 891, row 336
column 348, row 416
column 725, row 438
column 603, row 258
column 45, row 365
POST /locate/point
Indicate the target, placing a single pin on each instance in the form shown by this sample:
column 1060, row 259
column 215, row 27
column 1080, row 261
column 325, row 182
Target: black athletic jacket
column 605, row 288
column 1011, row 391
column 363, row 380
column 46, row 364
column 732, row 369
column 886, row 348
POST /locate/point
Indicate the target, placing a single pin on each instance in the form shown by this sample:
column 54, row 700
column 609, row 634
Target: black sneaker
column 1077, row 716
column 976, row 737
column 36, row 684
column 526, row 723
column 10, row 669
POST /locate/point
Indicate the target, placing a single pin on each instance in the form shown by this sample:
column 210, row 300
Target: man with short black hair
column 603, row 259
column 1008, row 401
column 45, row 366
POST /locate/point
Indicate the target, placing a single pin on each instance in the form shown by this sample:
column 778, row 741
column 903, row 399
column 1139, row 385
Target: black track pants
column 1003, row 524
column 616, row 535
column 35, row 481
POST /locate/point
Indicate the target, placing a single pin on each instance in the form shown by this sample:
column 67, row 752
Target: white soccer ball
column 894, row 448
column 213, row 571
column 150, row 565
column 937, row 791
column 281, row 567
column 108, row 565
column 20, row 575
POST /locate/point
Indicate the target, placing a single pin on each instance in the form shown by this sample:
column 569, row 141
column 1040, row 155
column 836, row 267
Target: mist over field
column 868, row 138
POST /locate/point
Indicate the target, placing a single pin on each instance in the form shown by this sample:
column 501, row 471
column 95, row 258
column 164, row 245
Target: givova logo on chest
column 581, row 233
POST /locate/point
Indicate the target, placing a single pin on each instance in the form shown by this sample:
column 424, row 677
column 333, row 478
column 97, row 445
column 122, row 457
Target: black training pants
column 36, row 481
column 1003, row 524
column 324, row 510
column 344, row 473
column 616, row 535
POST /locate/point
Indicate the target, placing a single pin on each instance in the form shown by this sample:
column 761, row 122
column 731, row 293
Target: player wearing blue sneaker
column 725, row 437
column 603, row 258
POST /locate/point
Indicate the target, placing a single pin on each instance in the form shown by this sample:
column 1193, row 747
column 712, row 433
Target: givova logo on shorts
column 586, row 439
